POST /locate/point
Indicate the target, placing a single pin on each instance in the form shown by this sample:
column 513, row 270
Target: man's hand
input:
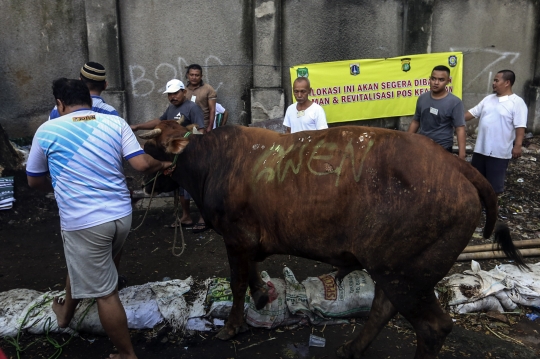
column 462, row 141
column 516, row 151
column 168, row 168
column 413, row 126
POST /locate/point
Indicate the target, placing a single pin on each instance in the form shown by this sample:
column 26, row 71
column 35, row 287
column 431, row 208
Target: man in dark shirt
column 439, row 112
column 193, row 114
column 180, row 105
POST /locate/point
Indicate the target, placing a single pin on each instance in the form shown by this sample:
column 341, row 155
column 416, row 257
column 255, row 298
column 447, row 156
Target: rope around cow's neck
column 149, row 203
column 176, row 205
column 159, row 173
column 176, row 217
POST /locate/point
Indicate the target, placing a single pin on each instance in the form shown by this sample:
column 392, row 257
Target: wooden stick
column 531, row 252
column 490, row 247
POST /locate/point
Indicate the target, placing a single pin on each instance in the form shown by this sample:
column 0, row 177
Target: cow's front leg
column 239, row 264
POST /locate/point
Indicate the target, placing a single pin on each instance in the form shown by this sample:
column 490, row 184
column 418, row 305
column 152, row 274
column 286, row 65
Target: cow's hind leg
column 430, row 323
column 381, row 312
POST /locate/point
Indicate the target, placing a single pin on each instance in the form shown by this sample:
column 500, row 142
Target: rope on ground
column 177, row 224
column 47, row 325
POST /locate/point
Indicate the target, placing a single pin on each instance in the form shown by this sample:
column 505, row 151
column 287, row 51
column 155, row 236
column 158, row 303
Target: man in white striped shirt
column 82, row 150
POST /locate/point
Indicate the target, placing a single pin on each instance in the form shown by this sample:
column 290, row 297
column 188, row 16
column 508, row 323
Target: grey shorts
column 89, row 255
column 184, row 193
column 494, row 169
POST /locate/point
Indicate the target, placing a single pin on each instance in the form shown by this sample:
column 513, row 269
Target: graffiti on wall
column 144, row 82
column 489, row 68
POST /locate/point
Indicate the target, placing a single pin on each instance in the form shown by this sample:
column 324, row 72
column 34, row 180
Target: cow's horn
column 196, row 132
column 181, row 120
column 150, row 134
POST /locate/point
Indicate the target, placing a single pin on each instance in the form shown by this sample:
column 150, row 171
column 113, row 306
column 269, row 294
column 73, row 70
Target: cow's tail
column 504, row 243
column 487, row 196
column 502, row 232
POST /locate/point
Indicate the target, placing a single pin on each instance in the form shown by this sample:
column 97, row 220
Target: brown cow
column 394, row 203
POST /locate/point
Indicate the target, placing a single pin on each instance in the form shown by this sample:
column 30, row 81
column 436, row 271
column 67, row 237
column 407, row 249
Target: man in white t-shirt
column 82, row 150
column 221, row 117
column 304, row 115
column 503, row 119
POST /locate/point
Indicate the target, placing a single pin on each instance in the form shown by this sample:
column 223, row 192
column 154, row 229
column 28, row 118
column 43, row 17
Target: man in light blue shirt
column 82, row 150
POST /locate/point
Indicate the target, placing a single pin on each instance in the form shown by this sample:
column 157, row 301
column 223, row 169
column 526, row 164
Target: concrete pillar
column 533, row 121
column 417, row 23
column 104, row 47
column 267, row 96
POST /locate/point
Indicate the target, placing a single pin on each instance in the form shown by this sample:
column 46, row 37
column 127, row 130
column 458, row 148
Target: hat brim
column 173, row 90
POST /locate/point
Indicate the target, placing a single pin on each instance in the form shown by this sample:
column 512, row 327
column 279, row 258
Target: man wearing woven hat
column 180, row 106
column 94, row 76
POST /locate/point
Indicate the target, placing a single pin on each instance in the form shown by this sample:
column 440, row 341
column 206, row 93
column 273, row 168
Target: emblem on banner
column 452, row 61
column 405, row 65
column 355, row 69
column 302, row 72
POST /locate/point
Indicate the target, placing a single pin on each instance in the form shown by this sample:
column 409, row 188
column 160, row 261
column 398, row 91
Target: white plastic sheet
column 500, row 289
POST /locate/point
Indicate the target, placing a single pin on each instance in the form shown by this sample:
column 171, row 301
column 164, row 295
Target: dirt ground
column 31, row 256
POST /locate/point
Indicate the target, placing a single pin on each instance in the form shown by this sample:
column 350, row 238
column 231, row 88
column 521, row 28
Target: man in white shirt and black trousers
column 503, row 119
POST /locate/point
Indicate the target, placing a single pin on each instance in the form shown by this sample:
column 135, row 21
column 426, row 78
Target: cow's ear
column 176, row 145
column 193, row 129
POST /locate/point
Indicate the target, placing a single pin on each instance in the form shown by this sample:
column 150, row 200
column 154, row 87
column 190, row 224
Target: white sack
column 525, row 285
column 16, row 304
column 275, row 313
column 320, row 298
column 220, row 298
column 145, row 305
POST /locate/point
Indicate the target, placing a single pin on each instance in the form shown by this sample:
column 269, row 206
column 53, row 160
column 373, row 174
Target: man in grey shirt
column 439, row 112
column 179, row 106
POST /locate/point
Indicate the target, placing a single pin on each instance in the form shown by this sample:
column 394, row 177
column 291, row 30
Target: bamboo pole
column 490, row 247
column 531, row 252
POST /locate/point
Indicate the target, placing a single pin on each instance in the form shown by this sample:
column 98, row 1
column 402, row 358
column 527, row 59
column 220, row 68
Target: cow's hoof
column 228, row 332
column 260, row 298
column 344, row 351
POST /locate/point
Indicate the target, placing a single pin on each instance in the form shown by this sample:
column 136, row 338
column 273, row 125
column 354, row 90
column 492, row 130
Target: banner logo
column 355, row 69
column 405, row 65
column 302, row 72
column 452, row 61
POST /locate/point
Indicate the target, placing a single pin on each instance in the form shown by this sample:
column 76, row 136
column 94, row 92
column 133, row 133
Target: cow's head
column 166, row 140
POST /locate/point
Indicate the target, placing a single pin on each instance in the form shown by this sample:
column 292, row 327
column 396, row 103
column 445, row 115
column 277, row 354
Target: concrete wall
column 508, row 39
column 40, row 41
column 320, row 30
column 161, row 37
column 246, row 48
column 493, row 35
